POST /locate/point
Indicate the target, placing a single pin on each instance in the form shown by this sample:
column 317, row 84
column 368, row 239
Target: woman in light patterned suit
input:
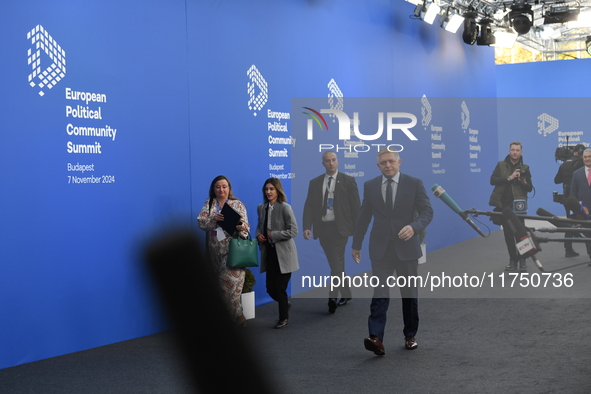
column 218, row 241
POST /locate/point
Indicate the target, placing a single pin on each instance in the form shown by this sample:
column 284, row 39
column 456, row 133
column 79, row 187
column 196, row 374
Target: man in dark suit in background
column 565, row 176
column 400, row 209
column 330, row 213
column 581, row 187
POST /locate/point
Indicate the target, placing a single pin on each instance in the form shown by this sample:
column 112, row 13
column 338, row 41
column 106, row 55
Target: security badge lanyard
column 217, row 231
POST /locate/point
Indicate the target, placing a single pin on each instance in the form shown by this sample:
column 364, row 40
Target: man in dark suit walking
column 400, row 209
column 581, row 186
column 330, row 213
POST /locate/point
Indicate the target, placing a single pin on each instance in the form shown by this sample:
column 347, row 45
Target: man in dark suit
column 581, row 186
column 565, row 176
column 400, row 209
column 330, row 213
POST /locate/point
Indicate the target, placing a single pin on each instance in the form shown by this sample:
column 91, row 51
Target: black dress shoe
column 332, row 305
column 410, row 343
column 373, row 344
column 570, row 253
column 343, row 301
column 281, row 324
column 512, row 266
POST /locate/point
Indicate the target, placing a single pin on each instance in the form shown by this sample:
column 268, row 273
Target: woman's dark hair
column 212, row 188
column 278, row 186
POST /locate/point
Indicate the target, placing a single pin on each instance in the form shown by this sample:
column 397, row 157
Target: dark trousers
column 510, row 240
column 277, row 282
column 567, row 244
column 587, row 244
column 334, row 246
column 379, row 304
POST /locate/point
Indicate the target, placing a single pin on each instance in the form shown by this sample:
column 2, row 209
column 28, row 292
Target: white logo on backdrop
column 52, row 74
column 255, row 103
column 335, row 92
column 547, row 124
column 465, row 116
column 426, row 111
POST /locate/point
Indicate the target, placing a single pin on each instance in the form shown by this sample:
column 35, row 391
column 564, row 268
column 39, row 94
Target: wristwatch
column 509, row 178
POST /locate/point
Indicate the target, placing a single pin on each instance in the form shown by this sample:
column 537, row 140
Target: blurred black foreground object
column 218, row 356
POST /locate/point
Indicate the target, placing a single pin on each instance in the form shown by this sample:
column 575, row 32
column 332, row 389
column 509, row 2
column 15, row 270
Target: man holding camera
column 565, row 176
column 512, row 181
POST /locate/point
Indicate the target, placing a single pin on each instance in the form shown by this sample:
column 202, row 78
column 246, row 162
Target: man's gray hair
column 386, row 150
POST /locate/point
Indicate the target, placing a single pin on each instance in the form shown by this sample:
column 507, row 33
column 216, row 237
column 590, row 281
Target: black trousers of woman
column 277, row 282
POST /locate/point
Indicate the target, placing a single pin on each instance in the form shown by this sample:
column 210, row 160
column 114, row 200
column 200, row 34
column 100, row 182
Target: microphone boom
column 440, row 193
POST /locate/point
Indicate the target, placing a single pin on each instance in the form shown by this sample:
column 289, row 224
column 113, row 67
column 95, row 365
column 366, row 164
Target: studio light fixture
column 429, row 12
column 583, row 20
column 548, row 33
column 452, row 22
column 471, row 28
column 520, row 18
column 560, row 13
column 504, row 39
column 486, row 36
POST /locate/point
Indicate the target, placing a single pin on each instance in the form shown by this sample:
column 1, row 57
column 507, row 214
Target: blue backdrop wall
column 116, row 116
column 333, row 50
column 71, row 222
column 541, row 105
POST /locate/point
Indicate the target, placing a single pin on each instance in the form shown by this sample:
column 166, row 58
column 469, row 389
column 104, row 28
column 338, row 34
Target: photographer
column 512, row 181
column 570, row 163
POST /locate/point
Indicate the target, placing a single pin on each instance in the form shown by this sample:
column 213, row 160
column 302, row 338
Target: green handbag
column 243, row 253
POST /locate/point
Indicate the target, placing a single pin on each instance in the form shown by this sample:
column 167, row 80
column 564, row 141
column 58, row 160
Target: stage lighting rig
column 538, row 25
column 521, row 18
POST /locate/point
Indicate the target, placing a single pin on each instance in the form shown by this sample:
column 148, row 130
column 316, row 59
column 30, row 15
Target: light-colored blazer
column 283, row 229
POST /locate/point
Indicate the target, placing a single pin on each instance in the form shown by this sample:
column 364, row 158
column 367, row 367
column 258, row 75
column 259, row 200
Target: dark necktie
column 325, row 201
column 389, row 195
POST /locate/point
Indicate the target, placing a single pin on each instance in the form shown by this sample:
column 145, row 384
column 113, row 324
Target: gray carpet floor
column 471, row 340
